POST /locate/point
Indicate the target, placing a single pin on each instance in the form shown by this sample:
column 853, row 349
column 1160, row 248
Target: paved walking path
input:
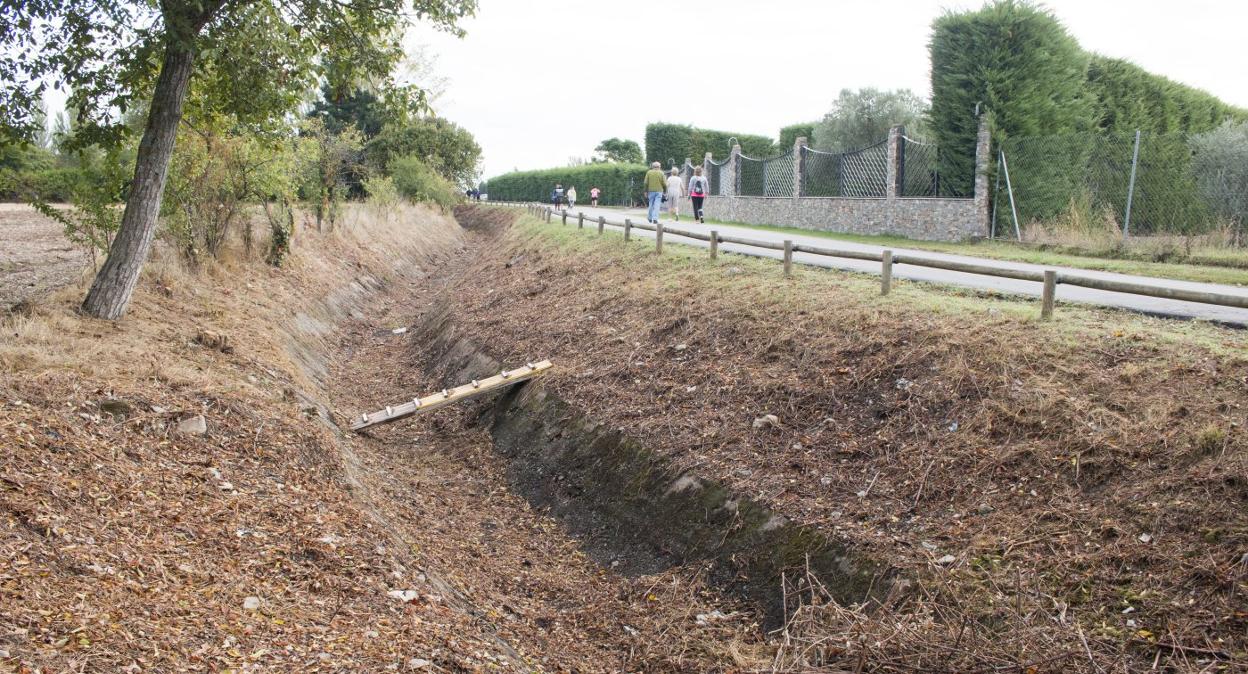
column 1066, row 293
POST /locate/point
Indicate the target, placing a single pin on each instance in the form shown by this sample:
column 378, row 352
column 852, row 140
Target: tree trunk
column 114, row 284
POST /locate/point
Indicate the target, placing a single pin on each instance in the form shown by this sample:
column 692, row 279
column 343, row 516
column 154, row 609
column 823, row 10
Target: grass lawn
column 1222, row 271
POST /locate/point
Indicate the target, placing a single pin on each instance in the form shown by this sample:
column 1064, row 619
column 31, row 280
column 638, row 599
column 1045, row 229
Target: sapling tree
column 253, row 59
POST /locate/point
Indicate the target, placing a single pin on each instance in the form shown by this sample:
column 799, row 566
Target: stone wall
column 936, row 219
column 931, row 219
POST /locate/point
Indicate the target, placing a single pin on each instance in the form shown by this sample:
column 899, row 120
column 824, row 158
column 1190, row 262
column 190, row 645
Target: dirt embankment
column 1071, row 496
column 136, row 538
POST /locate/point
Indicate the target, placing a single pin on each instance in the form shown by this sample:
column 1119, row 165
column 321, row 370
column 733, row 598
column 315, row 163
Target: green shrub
column 418, row 182
column 620, row 183
column 678, row 142
column 1220, row 164
column 442, row 145
column 52, row 185
column 381, row 191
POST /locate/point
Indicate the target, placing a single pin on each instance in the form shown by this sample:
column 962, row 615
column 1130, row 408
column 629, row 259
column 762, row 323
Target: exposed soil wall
column 632, row 507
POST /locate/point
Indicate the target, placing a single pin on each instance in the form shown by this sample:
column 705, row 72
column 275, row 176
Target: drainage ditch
column 630, row 507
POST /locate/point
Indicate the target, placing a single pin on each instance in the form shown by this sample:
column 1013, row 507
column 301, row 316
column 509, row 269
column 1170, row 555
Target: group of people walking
column 567, row 198
column 668, row 190
column 663, row 192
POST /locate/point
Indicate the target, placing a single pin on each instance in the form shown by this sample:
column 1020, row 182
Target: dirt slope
column 270, row 541
column 1072, row 495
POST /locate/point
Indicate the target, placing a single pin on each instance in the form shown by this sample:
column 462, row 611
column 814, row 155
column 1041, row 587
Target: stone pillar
column 894, row 173
column 799, row 166
column 983, row 161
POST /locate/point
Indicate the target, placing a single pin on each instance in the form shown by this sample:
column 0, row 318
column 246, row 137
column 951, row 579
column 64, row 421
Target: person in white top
column 675, row 190
column 571, row 196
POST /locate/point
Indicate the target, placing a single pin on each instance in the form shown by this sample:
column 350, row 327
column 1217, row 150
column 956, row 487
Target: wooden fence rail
column 1049, row 278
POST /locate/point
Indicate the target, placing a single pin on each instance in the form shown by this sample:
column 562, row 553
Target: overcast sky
column 540, row 81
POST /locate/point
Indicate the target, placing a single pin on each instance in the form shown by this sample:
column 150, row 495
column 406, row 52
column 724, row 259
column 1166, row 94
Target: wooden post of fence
column 602, row 224
column 714, row 244
column 1050, row 294
column 788, row 258
column 565, row 217
column 628, row 228
column 886, row 272
column 658, row 238
column 580, row 220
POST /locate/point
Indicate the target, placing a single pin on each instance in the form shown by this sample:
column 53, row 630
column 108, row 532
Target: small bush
column 381, row 191
column 1220, row 163
column 418, row 182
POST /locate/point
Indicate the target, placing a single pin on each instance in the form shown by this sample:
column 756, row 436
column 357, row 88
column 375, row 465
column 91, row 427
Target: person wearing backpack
column 698, row 187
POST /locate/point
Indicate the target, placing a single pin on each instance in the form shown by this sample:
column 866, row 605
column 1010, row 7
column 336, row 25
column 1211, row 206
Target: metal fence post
column 1135, row 160
column 886, row 272
column 996, row 193
column 628, row 228
column 1010, row 188
column 658, row 239
column 714, row 244
column 788, row 258
column 1049, row 295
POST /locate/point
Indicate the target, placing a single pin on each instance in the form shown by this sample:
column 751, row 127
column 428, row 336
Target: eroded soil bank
column 264, row 538
column 1068, row 497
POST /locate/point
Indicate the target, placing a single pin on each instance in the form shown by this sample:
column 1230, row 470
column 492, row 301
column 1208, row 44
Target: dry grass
column 1084, row 478
column 270, row 543
column 1222, row 247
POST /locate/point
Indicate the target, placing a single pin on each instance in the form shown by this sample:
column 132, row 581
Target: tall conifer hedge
column 1017, row 61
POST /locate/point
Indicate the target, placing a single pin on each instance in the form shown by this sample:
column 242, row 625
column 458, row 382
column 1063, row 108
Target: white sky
column 540, row 81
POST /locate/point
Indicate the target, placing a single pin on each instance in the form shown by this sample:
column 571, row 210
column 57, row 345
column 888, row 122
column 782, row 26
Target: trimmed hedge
column 618, row 182
column 1018, row 61
column 790, row 134
column 1127, row 98
column 679, row 142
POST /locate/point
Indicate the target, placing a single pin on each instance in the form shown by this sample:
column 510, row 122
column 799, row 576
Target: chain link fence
column 919, row 171
column 750, row 179
column 716, row 177
column 858, row 173
column 1140, row 184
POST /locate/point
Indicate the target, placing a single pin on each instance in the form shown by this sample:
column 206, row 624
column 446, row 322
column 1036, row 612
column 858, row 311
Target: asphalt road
column 1065, row 293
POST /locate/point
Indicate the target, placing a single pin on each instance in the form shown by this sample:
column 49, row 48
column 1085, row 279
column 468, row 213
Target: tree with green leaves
column 447, row 148
column 619, row 151
column 253, row 60
column 863, row 117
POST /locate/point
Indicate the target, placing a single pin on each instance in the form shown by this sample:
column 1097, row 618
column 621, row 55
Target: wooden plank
column 448, row 396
